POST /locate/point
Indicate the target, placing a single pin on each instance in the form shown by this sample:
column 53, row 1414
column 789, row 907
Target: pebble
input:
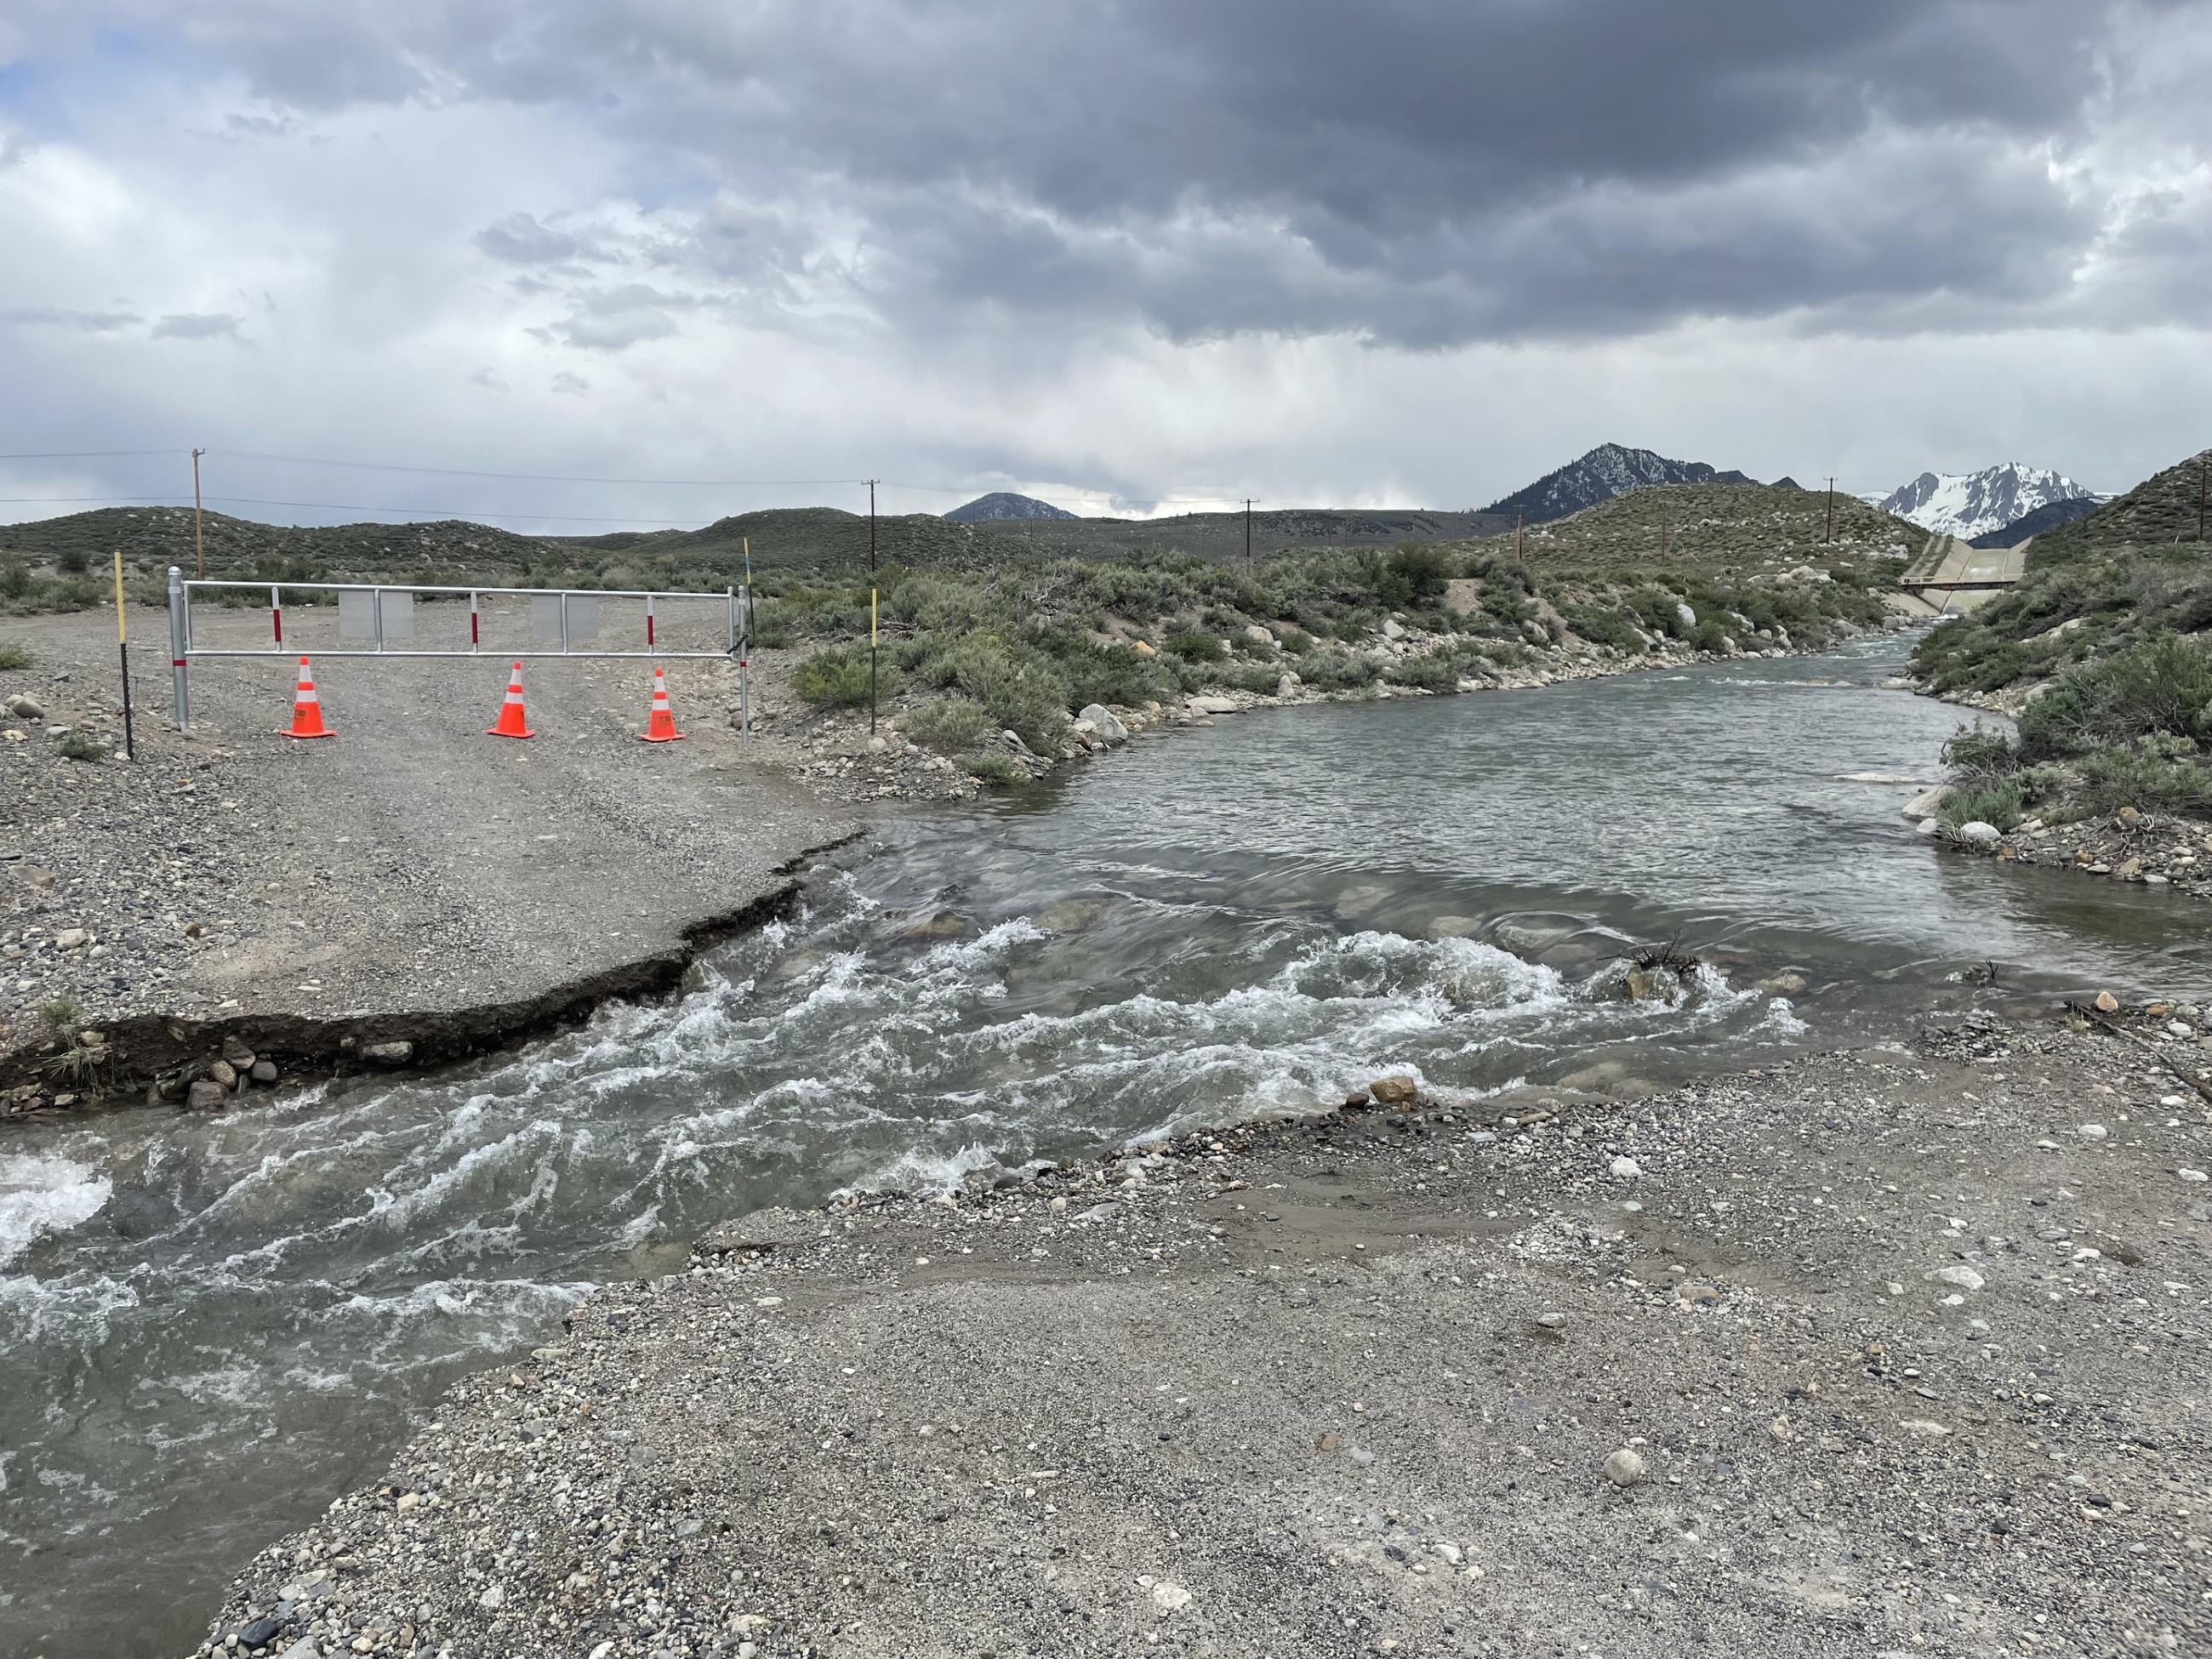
column 2188, row 1174
column 1625, row 1467
column 2093, row 1132
column 1626, row 1169
column 1965, row 1278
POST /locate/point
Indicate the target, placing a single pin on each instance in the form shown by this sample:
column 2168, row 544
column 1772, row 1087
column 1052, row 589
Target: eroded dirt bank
column 1898, row 1350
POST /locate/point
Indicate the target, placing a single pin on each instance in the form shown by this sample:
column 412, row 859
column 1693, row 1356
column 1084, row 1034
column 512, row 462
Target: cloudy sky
column 1124, row 254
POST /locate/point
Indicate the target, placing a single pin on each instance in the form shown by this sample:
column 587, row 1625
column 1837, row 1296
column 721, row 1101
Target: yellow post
column 123, row 650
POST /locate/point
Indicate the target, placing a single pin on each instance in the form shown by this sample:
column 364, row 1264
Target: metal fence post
column 177, row 645
column 564, row 622
column 376, row 605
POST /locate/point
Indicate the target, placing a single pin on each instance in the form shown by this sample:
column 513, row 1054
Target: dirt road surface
column 410, row 864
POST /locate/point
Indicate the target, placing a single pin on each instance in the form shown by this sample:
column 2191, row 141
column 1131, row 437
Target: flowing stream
column 211, row 1326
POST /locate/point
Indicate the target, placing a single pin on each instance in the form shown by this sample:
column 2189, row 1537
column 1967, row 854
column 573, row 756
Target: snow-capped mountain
column 1005, row 504
column 1971, row 504
column 1609, row 470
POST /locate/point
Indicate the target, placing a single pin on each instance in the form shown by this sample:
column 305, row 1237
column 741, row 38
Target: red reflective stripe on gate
column 472, row 628
column 276, row 621
column 176, row 662
column 648, row 629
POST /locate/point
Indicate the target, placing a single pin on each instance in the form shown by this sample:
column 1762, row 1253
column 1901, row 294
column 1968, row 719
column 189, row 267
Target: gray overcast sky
column 1118, row 253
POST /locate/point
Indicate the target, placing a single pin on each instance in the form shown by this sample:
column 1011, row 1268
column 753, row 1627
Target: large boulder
column 1108, row 730
column 1212, row 705
column 1926, row 804
column 1980, row 834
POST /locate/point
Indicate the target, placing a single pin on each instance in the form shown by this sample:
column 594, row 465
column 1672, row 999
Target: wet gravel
column 1905, row 1347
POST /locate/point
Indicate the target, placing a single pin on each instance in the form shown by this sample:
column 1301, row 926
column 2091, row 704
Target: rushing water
column 208, row 1326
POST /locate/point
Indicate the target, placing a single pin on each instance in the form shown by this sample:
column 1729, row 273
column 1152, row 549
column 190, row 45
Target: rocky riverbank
column 1892, row 1350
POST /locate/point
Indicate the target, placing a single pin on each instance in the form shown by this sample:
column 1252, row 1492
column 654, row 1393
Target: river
column 211, row 1326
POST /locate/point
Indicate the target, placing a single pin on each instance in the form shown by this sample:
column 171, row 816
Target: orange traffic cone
column 307, row 709
column 511, row 723
column 660, row 722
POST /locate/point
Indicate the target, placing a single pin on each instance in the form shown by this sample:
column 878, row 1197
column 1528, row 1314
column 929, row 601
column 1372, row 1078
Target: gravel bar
column 1896, row 1351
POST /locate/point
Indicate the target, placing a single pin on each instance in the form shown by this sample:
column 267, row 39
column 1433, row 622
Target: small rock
column 2188, row 1174
column 1977, row 834
column 1782, row 985
column 24, row 706
column 1393, row 1091
column 259, row 1634
column 72, row 939
column 222, row 1071
column 1626, row 1168
column 2092, row 1131
column 387, row 1054
column 492, row 1599
column 1965, row 1278
column 1923, row 1428
column 235, row 1051
column 1625, row 1467
column 2107, row 1003
column 263, row 1071
column 1171, row 1598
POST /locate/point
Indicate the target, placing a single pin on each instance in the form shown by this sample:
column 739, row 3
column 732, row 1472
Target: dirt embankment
column 1900, row 1350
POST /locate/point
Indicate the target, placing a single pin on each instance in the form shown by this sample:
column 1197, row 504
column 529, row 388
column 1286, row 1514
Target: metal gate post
column 177, row 645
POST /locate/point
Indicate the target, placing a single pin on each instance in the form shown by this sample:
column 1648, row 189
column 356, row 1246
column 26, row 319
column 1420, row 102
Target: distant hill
column 1609, row 470
column 2042, row 518
column 459, row 552
column 2160, row 511
column 1005, row 504
column 1723, row 524
column 1971, row 505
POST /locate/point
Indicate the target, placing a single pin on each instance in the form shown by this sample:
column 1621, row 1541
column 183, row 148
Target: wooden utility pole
column 2200, row 460
column 1663, row 533
column 1831, row 509
column 1516, row 536
column 1247, row 535
column 199, row 546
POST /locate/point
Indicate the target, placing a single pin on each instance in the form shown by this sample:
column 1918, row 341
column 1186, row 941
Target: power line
column 425, row 513
column 541, row 477
column 84, row 454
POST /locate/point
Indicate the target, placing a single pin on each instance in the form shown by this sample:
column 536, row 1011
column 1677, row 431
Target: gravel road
column 1897, row 1351
column 411, row 866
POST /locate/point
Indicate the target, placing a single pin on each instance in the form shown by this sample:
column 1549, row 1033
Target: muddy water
column 210, row 1327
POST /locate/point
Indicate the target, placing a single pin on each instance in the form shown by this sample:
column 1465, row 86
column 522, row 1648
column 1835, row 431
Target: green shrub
column 950, row 724
column 1339, row 670
column 73, row 561
column 836, row 679
column 2158, row 686
column 1433, row 673
column 1193, row 646
column 79, row 745
column 1297, row 640
column 1978, row 751
column 1994, row 802
column 1011, row 678
column 2149, row 775
column 14, row 579
column 61, row 1017
column 13, row 657
column 993, row 767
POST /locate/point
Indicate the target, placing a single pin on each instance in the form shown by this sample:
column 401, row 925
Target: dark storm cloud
column 1413, row 172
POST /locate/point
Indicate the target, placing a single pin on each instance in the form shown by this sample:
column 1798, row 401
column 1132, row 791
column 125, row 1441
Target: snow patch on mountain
column 1971, row 504
column 1609, row 470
